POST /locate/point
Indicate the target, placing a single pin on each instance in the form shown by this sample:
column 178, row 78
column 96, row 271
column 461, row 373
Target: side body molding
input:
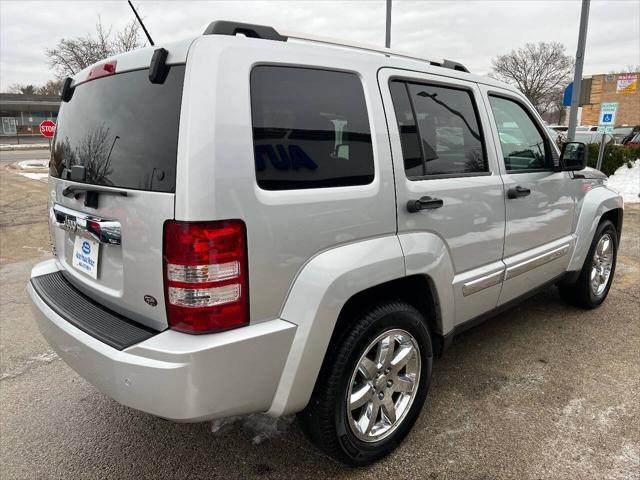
column 314, row 302
column 595, row 203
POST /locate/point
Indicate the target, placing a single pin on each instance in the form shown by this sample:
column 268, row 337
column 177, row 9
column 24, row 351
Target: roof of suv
column 395, row 59
column 177, row 52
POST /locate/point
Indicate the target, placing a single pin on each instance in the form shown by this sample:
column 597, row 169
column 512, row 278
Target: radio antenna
column 141, row 23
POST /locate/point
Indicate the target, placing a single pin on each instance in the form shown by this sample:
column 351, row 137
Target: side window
column 523, row 146
column 310, row 129
column 439, row 130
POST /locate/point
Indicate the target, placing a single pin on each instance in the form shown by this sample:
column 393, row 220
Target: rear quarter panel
column 216, row 174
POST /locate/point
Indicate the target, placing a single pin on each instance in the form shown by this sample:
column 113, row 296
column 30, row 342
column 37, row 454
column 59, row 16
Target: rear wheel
column 372, row 386
column 594, row 282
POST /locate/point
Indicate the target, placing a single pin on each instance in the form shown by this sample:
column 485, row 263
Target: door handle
column 424, row 203
column 518, row 192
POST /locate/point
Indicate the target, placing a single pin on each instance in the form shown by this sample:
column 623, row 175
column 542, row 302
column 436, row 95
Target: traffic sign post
column 48, row 129
column 608, row 114
column 605, row 126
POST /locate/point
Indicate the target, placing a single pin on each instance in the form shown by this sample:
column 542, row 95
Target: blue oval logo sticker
column 86, row 248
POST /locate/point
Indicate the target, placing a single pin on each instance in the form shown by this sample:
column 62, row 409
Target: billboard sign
column 627, row 83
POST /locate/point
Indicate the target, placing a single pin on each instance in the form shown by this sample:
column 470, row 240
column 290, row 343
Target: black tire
column 579, row 293
column 325, row 419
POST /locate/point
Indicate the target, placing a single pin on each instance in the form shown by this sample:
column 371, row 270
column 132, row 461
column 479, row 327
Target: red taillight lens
column 205, row 275
column 102, row 70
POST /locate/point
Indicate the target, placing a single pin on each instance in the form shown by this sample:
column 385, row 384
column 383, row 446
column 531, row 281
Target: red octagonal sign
column 48, row 128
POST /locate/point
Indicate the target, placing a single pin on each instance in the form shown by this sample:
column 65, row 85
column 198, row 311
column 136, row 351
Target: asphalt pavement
column 542, row 391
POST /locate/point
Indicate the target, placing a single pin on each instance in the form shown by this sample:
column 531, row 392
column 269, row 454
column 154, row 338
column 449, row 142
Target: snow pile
column 261, row 427
column 36, row 176
column 626, row 181
column 31, row 164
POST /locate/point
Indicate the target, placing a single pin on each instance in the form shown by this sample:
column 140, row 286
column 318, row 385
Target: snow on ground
column 33, row 164
column 35, row 176
column 626, row 181
column 260, row 426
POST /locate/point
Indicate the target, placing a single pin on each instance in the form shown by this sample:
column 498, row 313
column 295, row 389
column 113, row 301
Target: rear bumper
column 174, row 375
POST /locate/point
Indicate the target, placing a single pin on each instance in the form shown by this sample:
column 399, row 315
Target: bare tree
column 627, row 69
column 71, row 55
column 23, row 89
column 52, row 87
column 538, row 70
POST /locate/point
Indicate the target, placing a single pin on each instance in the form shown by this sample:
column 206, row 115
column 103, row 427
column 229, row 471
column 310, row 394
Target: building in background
column 621, row 88
column 22, row 114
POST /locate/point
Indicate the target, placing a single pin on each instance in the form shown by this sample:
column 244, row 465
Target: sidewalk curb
column 35, row 146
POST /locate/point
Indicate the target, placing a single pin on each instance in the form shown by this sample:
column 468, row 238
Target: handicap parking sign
column 608, row 113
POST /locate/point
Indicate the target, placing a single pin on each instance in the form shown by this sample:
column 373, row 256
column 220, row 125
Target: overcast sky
column 469, row 31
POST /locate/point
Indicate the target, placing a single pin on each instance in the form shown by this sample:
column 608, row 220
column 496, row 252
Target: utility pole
column 387, row 39
column 577, row 76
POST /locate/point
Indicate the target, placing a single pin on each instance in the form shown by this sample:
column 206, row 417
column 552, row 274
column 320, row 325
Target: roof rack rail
column 387, row 51
column 454, row 65
column 225, row 27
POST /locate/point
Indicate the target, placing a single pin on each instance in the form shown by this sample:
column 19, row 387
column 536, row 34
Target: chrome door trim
column 527, row 265
column 99, row 229
column 483, row 282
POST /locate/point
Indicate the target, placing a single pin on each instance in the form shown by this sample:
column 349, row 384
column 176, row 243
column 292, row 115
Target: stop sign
column 48, row 128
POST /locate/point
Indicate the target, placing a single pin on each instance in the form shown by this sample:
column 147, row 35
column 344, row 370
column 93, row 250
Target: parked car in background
column 558, row 136
column 588, row 136
column 309, row 226
column 559, row 128
column 624, row 133
column 634, row 141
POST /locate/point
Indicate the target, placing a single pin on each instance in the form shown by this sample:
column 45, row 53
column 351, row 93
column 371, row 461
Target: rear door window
column 123, row 129
column 310, row 129
column 439, row 128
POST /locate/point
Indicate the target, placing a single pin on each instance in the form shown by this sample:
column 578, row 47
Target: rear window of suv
column 310, row 129
column 123, row 129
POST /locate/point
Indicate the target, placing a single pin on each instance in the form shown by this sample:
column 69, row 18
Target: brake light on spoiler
column 205, row 275
column 102, row 70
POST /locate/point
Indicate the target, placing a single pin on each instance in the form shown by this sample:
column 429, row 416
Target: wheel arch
column 334, row 284
column 418, row 290
column 598, row 204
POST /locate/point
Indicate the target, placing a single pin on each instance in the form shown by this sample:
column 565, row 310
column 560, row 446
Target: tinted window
column 310, row 129
column 123, row 129
column 409, row 136
column 523, row 146
column 448, row 136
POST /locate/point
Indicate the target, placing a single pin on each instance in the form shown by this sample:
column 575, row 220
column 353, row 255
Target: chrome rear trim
column 101, row 230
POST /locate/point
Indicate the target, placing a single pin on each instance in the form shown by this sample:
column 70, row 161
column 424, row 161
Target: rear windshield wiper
column 74, row 189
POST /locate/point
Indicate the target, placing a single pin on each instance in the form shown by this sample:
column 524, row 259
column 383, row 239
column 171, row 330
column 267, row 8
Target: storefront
column 22, row 114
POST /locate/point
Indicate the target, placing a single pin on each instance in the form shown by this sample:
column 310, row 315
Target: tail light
column 205, row 275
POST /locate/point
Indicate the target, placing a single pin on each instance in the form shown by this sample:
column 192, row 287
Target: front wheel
column 372, row 385
column 596, row 276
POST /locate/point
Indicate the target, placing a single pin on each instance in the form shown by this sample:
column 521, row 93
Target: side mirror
column 574, row 156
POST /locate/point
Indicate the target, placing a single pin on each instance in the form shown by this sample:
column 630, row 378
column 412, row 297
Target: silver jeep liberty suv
column 319, row 218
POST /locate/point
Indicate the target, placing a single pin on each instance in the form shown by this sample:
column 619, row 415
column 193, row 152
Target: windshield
column 622, row 130
column 123, row 129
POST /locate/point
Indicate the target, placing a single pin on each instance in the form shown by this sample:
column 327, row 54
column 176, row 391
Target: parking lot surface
column 542, row 391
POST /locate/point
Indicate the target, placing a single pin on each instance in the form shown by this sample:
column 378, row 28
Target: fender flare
column 595, row 204
column 316, row 298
